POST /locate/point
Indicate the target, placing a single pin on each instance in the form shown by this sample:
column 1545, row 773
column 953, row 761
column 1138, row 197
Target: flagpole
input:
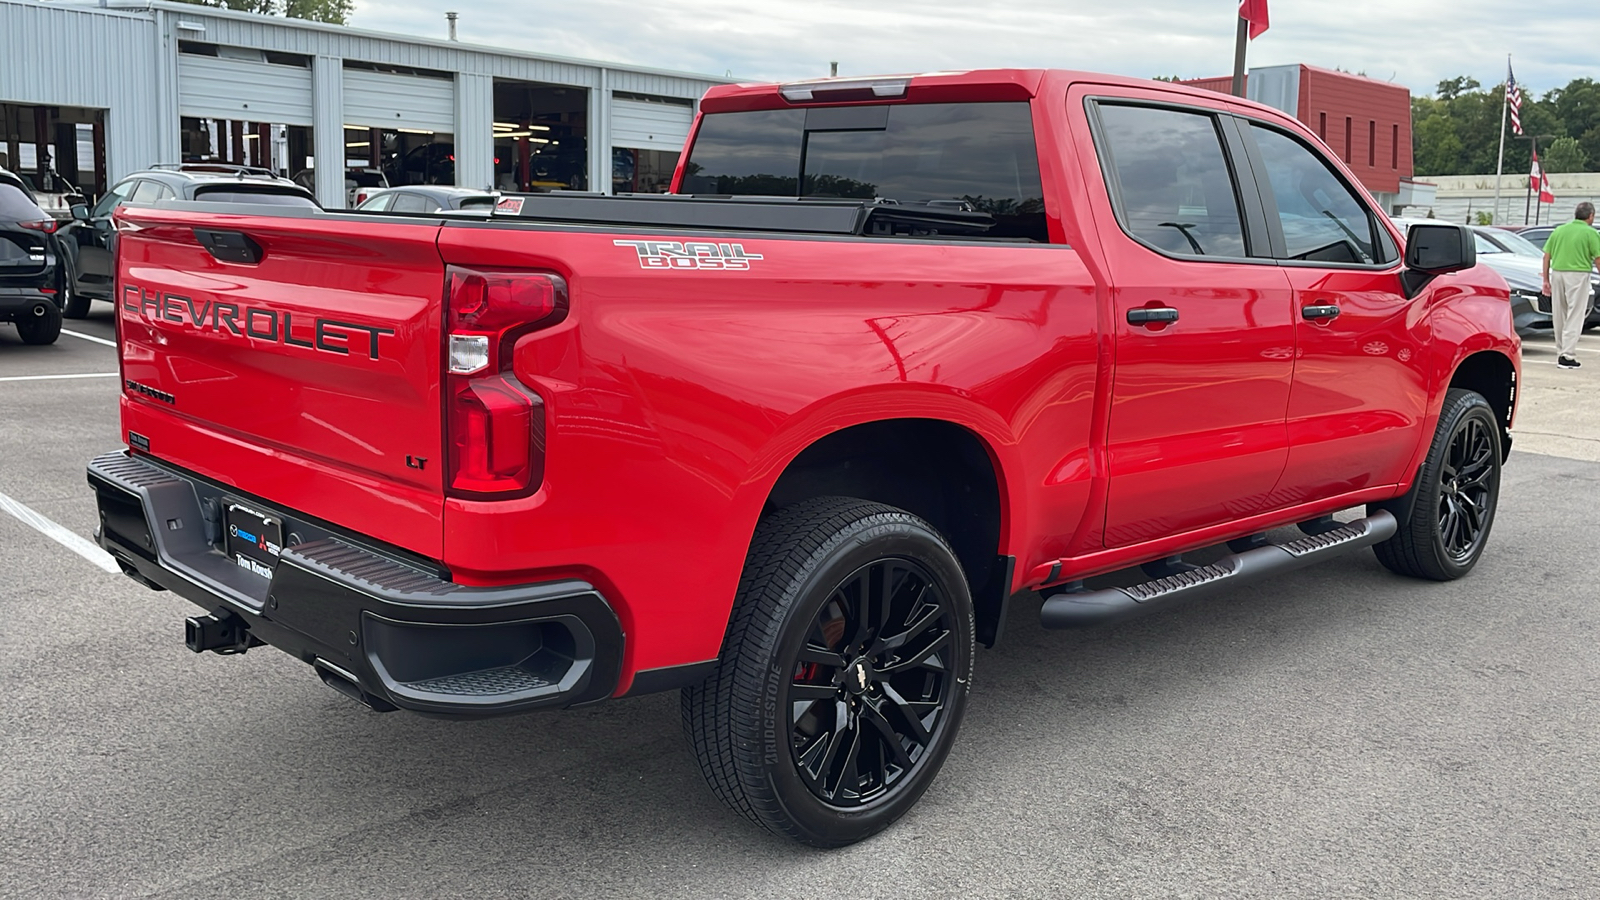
column 1500, row 165
column 1238, row 56
column 1529, row 200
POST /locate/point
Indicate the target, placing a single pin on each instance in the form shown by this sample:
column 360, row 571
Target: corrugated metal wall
column 131, row 68
column 72, row 72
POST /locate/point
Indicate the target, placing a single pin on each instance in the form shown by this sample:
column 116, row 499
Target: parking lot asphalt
column 1336, row 732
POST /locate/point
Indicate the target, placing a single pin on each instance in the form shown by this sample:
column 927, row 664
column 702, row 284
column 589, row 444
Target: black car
column 427, row 198
column 93, row 240
column 33, row 273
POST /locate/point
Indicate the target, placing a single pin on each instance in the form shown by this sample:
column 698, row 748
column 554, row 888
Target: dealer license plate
column 254, row 540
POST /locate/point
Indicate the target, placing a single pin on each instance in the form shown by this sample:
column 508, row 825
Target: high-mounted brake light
column 494, row 424
column 48, row 226
column 801, row 91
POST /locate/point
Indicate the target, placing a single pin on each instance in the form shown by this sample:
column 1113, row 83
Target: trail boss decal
column 255, row 322
column 691, row 255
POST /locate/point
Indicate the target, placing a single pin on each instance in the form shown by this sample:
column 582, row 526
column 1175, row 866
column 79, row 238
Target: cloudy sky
column 1413, row 42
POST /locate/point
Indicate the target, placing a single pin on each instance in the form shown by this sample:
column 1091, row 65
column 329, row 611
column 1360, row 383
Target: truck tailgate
column 293, row 358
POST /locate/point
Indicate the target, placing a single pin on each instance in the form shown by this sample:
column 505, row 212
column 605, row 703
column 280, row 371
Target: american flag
column 1514, row 100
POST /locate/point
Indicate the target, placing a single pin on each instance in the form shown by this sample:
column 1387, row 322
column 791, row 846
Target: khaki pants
column 1569, row 302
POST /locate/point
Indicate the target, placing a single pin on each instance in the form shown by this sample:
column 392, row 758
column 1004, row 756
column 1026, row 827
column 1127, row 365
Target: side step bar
column 1082, row 609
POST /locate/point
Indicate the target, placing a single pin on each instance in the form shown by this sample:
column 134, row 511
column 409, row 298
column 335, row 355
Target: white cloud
column 1415, row 42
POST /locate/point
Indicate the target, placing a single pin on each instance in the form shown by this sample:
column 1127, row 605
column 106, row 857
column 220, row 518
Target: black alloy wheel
column 872, row 682
column 1446, row 516
column 844, row 673
column 1464, row 489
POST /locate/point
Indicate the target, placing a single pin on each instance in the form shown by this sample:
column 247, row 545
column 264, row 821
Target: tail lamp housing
column 494, row 424
column 48, row 226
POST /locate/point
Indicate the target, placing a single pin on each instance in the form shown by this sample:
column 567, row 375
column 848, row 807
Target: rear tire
column 844, row 675
column 40, row 323
column 1452, row 505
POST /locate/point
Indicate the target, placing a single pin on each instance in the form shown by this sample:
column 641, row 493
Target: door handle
column 1319, row 312
column 1150, row 316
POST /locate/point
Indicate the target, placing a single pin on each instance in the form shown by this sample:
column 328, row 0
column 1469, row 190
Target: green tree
column 336, row 12
column 1438, row 149
column 1564, row 155
column 1451, row 88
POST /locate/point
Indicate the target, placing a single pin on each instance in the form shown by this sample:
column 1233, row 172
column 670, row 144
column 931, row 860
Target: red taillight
column 494, row 423
column 48, row 226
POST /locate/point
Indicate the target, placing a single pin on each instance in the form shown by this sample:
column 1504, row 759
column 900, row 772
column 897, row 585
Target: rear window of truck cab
column 982, row 154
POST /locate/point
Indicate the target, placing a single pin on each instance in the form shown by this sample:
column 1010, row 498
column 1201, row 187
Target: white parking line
column 89, row 337
column 59, row 534
column 53, row 377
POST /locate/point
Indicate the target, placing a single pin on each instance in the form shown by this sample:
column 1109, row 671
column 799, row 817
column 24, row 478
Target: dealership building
column 92, row 93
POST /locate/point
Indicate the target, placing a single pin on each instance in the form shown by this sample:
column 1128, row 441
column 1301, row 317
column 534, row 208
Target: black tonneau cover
column 731, row 213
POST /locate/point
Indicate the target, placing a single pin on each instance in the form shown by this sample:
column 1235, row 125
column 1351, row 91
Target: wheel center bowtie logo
column 691, row 255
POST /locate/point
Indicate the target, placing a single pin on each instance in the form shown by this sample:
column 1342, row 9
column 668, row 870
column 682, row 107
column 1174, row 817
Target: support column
column 599, row 134
column 327, row 129
column 474, row 130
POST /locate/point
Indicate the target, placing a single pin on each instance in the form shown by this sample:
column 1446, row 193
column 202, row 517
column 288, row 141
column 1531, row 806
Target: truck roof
column 970, row 86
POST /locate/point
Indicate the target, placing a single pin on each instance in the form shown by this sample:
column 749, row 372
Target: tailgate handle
column 230, row 246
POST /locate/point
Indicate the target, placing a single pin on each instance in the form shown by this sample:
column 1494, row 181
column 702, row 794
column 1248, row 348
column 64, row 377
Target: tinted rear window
column 232, row 195
column 981, row 153
column 16, row 207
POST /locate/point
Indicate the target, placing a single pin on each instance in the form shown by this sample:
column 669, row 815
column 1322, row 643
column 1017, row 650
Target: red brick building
column 1366, row 122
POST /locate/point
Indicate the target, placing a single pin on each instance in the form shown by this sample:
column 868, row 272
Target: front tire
column 844, row 675
column 40, row 323
column 1452, row 505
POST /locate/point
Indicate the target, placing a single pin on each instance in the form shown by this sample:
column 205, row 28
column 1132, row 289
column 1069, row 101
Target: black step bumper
column 390, row 631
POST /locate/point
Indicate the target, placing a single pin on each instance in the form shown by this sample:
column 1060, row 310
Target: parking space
column 1336, row 732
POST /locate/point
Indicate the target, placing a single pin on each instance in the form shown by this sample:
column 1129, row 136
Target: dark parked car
column 32, row 267
column 1534, row 236
column 427, row 198
column 94, row 240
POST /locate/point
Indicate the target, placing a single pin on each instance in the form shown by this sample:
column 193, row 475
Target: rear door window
column 234, row 195
column 146, row 193
column 411, row 203
column 1170, row 180
column 978, row 154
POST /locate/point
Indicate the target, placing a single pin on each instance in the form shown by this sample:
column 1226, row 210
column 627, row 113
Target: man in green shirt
column 1569, row 253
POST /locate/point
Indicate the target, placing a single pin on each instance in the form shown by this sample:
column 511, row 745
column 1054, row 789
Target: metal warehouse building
column 91, row 93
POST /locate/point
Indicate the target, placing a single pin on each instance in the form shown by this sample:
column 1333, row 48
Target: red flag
column 1254, row 12
column 1537, row 179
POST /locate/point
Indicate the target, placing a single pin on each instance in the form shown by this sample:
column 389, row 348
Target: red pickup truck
column 789, row 439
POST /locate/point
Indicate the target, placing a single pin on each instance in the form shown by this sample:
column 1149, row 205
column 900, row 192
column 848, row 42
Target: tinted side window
column 410, row 203
column 1322, row 220
column 981, row 154
column 146, row 192
column 227, row 195
column 113, row 198
column 1167, row 169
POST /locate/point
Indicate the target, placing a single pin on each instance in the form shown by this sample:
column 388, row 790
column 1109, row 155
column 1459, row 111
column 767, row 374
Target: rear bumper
column 16, row 301
column 385, row 629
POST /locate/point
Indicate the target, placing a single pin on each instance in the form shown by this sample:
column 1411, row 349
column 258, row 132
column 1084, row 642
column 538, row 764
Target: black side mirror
column 80, row 212
column 1433, row 250
column 1440, row 249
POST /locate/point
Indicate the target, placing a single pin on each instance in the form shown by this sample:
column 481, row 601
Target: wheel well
column 935, row 470
column 1491, row 375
